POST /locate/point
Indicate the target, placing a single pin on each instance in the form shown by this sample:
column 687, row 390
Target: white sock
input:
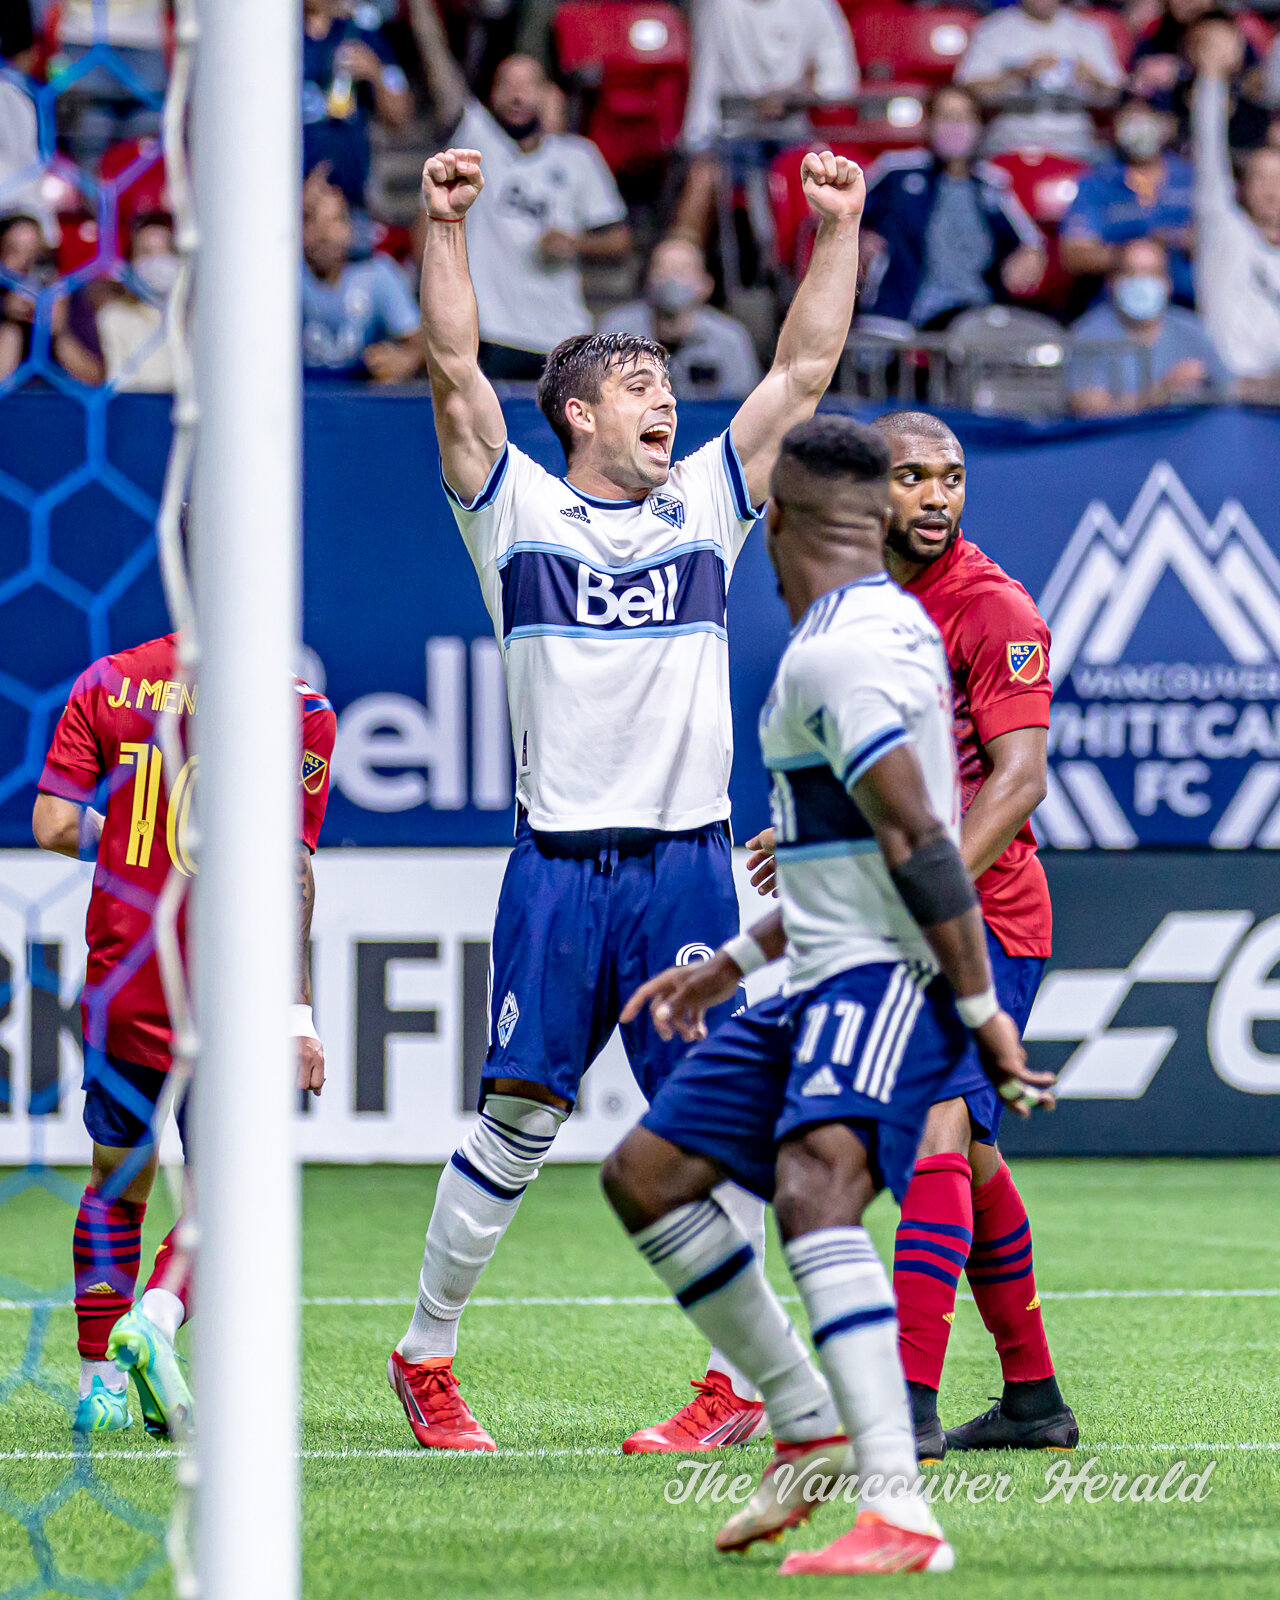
column 748, row 1211
column 164, row 1308
column 708, row 1265
column 110, row 1374
column 479, row 1193
column 847, row 1295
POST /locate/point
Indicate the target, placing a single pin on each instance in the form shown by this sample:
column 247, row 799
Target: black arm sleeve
column 934, row 883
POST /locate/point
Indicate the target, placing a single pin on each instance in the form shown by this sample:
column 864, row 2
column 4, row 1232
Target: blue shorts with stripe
column 1017, row 978
column 869, row 1047
column 120, row 1100
column 581, row 924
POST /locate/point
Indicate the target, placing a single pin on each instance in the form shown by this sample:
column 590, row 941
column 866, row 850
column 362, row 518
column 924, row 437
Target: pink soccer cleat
column 715, row 1419
column 440, row 1418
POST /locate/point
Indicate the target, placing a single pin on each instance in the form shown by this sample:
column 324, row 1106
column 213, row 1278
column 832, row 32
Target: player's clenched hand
column 1005, row 1062
column 451, row 181
column 833, row 185
column 679, row 998
column 310, row 1065
column 761, row 863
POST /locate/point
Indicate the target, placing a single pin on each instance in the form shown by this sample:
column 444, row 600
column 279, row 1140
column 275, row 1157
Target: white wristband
column 301, row 1025
column 975, row 1009
column 745, row 954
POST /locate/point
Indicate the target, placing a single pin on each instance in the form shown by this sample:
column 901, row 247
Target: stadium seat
column 1046, row 185
column 1259, row 31
column 903, row 43
column 146, row 189
column 793, row 222
column 634, row 61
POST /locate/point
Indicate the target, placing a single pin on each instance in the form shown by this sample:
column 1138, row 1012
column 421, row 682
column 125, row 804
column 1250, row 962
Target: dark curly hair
column 830, row 445
column 576, row 370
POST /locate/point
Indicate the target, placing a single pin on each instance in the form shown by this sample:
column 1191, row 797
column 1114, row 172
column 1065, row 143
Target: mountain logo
column 1166, row 669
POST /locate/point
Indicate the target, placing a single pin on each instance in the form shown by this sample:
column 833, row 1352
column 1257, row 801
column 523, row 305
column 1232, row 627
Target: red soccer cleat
column 874, row 1545
column 440, row 1418
column 788, row 1493
column 717, row 1418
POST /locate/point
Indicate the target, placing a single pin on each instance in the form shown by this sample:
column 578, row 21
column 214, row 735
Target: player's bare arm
column 310, row 1051
column 930, row 876
column 680, row 997
column 64, row 827
column 469, row 420
column 813, row 336
column 1012, row 790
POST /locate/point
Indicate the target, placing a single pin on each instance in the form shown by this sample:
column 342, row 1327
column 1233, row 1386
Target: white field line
column 1222, row 1447
column 665, row 1300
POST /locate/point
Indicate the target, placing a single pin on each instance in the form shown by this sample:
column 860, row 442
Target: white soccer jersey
column 865, row 670
column 611, row 618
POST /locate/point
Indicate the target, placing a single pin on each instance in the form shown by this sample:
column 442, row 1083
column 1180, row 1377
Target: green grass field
column 1154, row 1376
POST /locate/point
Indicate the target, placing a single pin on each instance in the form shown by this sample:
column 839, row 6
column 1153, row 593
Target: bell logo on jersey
column 600, row 603
column 1026, row 662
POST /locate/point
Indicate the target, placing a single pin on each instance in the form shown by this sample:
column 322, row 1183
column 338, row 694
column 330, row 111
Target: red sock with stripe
column 105, row 1250
column 167, row 1300
column 1002, row 1277
column 930, row 1250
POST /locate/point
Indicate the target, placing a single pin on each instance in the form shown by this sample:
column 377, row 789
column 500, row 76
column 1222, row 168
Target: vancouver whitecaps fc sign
column 1166, row 667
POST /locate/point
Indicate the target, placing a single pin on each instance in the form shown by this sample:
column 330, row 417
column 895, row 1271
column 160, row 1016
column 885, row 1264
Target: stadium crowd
column 1106, row 178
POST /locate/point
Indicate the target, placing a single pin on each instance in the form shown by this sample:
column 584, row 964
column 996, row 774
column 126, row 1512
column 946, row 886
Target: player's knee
column 823, row 1181
column 646, row 1177
column 512, row 1139
column 107, row 1162
column 947, row 1130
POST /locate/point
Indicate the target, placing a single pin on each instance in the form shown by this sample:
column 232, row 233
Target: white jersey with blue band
column 865, row 671
column 611, row 618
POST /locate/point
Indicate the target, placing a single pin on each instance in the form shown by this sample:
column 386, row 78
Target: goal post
column 246, row 517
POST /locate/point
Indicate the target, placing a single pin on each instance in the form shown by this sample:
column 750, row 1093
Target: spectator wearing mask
column 768, row 51
column 72, row 341
column 1041, row 49
column 549, row 204
column 99, row 109
column 1237, row 238
column 1143, row 191
column 712, row 357
column 131, row 317
column 349, row 79
column 1164, row 355
column 943, row 233
column 359, row 319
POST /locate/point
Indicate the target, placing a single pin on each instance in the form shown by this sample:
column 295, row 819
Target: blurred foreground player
column 108, row 734
column 607, row 590
column 817, row 1097
column 963, row 1202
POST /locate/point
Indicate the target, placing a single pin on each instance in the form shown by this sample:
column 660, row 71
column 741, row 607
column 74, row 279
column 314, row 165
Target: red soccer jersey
column 998, row 649
column 108, row 732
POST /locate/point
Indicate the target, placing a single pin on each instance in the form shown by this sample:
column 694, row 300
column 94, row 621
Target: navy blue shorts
column 868, row 1047
column 120, row 1099
column 1017, row 979
column 575, row 936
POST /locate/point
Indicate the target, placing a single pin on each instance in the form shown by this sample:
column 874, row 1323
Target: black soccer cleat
column 993, row 1430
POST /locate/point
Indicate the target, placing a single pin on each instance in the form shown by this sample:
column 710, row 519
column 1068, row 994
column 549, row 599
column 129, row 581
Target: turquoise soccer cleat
column 102, row 1410
column 139, row 1348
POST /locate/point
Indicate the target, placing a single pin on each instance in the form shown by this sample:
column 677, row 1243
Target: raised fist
column 451, row 182
column 833, row 185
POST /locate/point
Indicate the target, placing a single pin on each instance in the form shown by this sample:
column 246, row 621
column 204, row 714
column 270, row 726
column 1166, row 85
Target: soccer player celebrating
column 107, row 734
column 963, row 1210
column 607, row 591
column 817, row 1097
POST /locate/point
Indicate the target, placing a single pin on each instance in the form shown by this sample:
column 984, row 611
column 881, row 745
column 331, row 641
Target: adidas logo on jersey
column 507, row 1019
column 575, row 513
column 824, row 1081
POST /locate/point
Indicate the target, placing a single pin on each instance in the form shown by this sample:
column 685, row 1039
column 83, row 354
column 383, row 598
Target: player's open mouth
column 932, row 529
column 657, row 441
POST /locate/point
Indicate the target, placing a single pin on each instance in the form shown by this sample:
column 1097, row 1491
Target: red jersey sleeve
column 319, row 729
column 1005, row 645
column 75, row 764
